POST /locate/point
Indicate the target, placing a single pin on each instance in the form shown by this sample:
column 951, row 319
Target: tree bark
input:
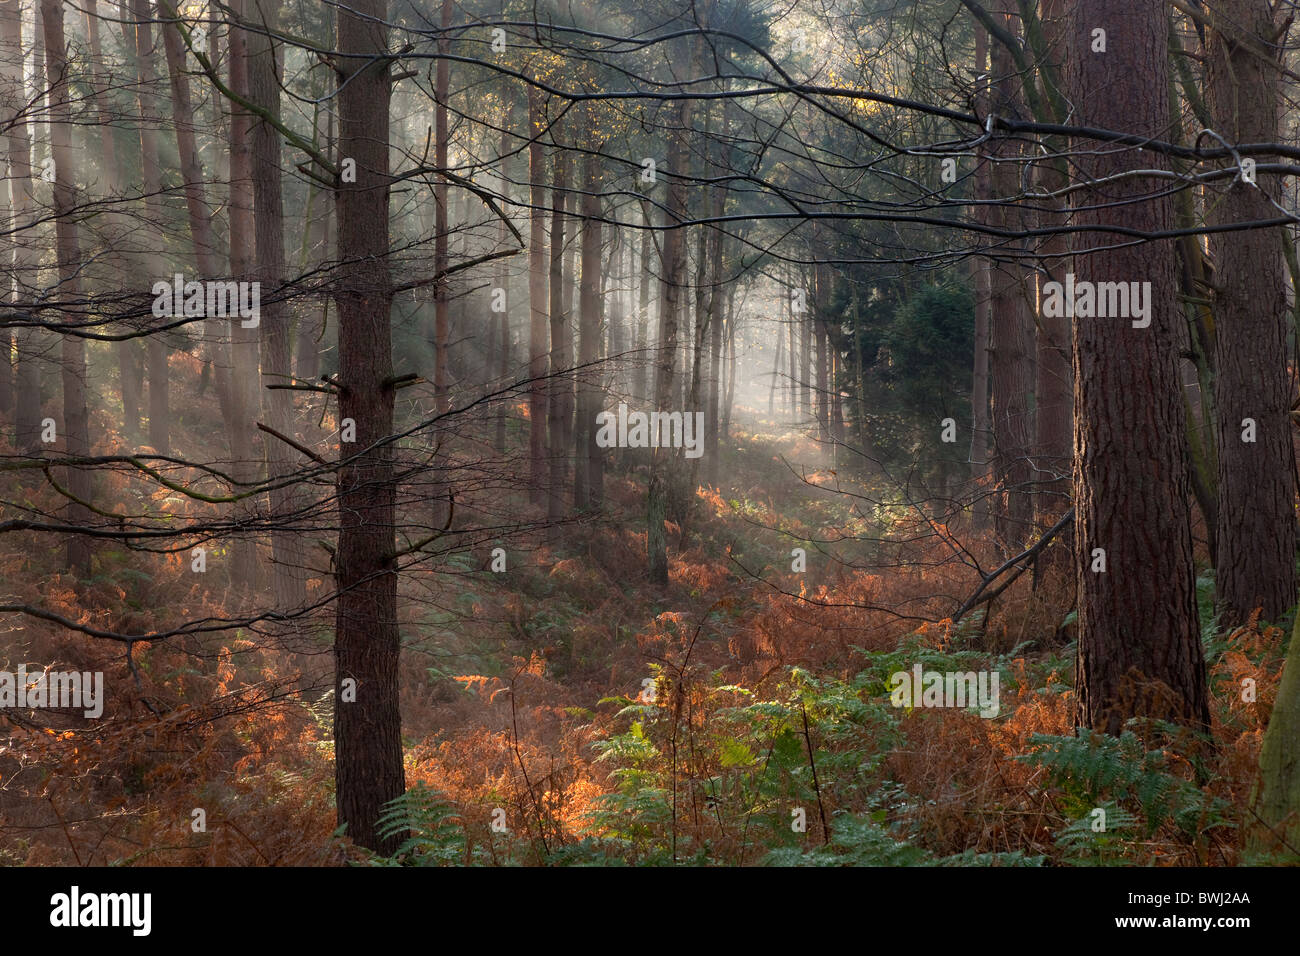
column 367, row 730
column 1255, row 564
column 537, row 388
column 290, row 564
column 560, row 398
column 1011, row 329
column 159, row 372
column 1139, row 641
column 25, row 259
column 76, row 414
column 589, row 461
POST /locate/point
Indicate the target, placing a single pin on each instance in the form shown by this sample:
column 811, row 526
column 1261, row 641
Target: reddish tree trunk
column 1139, row 640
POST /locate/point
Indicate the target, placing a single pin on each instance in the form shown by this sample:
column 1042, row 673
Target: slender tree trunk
column 76, row 415
column 442, row 339
column 22, row 279
column 640, row 386
column 792, row 391
column 560, row 387
column 1054, row 390
column 1011, row 328
column 367, row 721
column 1139, row 640
column 537, row 389
column 664, row 480
column 159, row 373
column 245, row 398
column 587, row 481
column 287, row 545
column 1255, row 564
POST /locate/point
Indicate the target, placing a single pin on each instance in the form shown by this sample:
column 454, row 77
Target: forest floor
column 567, row 711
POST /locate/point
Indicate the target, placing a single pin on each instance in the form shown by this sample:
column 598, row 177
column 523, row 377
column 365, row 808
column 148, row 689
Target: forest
column 727, row 433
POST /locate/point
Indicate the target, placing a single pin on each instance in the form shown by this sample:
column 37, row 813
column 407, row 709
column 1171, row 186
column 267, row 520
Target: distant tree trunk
column 1255, row 564
column 664, row 479
column 805, row 362
column 442, row 339
column 206, row 256
column 640, row 386
column 792, row 392
column 981, row 267
column 731, row 363
column 129, row 372
column 588, row 480
column 159, row 373
column 560, row 387
column 776, row 374
column 25, row 259
column 537, row 388
column 287, row 544
column 502, row 337
column 367, row 647
column 76, row 415
column 245, row 398
column 1054, row 405
column 1139, row 639
column 1011, row 328
column 317, row 250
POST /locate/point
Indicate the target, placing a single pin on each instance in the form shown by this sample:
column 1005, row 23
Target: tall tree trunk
column 130, row 380
column 560, row 397
column 663, row 477
column 76, row 415
column 981, row 267
column 245, row 398
column 1255, row 564
column 640, row 387
column 1054, row 390
column 587, row 478
column 1139, row 640
column 792, row 362
column 537, row 388
column 1011, row 329
column 22, row 278
column 367, row 648
column 442, row 227
column 159, row 372
column 287, row 544
column 805, row 360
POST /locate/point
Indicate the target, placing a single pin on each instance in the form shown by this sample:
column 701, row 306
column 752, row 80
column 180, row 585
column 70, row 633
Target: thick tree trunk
column 1139, row 641
column 76, row 416
column 1255, row 564
column 367, row 649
